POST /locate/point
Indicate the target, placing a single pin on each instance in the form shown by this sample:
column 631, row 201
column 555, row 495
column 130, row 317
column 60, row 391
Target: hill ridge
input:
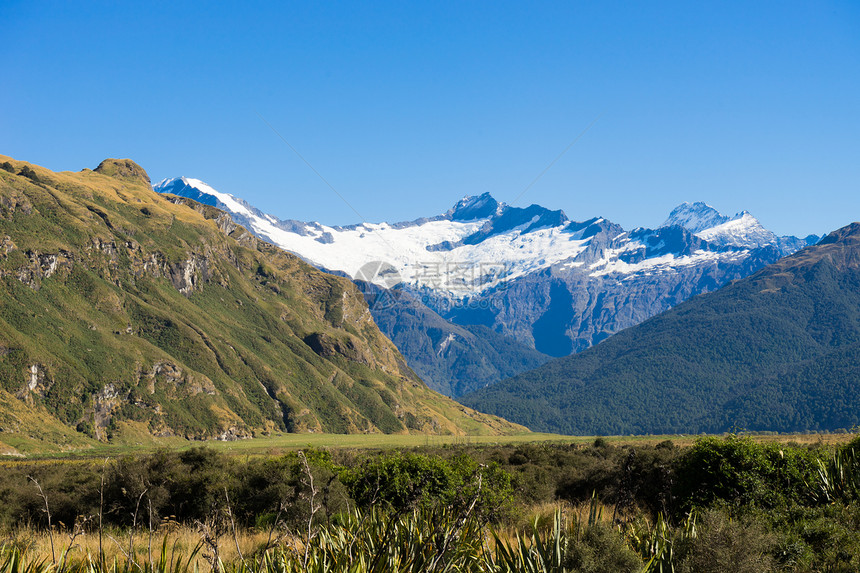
column 121, row 306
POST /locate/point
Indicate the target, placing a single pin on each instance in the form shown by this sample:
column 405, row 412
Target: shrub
column 723, row 544
column 405, row 480
column 278, row 489
column 739, row 471
column 601, row 549
column 188, row 485
column 27, row 172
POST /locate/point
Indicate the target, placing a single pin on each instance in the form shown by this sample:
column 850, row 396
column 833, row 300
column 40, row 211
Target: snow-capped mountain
column 740, row 230
column 481, row 244
column 473, row 247
column 530, row 273
column 695, row 217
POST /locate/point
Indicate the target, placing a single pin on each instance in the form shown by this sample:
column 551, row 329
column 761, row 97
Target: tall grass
column 432, row 540
column 427, row 539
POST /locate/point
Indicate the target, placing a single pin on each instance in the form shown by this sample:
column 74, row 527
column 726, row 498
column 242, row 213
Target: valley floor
column 16, row 446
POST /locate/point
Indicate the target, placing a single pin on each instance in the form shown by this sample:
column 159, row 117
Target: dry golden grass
column 544, row 515
column 120, row 545
column 143, row 547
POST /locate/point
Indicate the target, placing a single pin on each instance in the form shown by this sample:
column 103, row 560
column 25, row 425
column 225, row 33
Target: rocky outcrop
column 186, row 275
column 124, row 170
column 328, row 346
column 39, row 266
column 37, row 384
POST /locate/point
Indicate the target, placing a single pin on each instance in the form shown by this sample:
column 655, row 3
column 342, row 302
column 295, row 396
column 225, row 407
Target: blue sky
column 406, row 107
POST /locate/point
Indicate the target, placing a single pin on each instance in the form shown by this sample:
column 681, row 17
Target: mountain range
column 775, row 351
column 449, row 288
column 124, row 310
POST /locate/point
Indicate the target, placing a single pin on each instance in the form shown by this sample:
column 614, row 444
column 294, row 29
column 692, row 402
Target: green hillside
column 121, row 308
column 779, row 350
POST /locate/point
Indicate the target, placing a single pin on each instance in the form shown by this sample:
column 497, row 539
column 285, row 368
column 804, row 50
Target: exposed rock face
column 37, row 384
column 104, row 404
column 186, row 275
column 566, row 309
column 620, row 279
column 39, row 266
column 452, row 359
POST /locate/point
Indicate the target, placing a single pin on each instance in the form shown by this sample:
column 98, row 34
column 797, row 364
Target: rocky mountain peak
column 470, row 208
column 695, row 217
column 740, row 230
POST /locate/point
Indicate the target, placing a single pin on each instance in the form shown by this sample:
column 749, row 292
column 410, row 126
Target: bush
column 279, row 489
column 403, row 481
column 736, row 470
column 28, row 173
column 723, row 544
column 601, row 549
column 188, row 485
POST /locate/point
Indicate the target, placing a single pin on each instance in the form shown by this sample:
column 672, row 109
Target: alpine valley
column 487, row 290
column 123, row 311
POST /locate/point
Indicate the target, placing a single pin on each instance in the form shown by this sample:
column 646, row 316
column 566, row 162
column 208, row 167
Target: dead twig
column 48, row 512
column 233, row 526
column 134, row 526
column 313, row 507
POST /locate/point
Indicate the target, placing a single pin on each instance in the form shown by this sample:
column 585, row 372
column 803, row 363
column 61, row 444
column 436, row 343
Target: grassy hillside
column 779, row 350
column 118, row 305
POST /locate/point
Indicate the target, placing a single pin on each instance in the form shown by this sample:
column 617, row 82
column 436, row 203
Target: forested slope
column 779, row 350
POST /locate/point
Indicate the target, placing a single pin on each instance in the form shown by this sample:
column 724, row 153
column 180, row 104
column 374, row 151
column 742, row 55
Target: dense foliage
column 776, row 351
column 724, row 504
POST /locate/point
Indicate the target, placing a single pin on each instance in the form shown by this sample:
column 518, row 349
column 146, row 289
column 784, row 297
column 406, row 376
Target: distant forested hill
column 779, row 350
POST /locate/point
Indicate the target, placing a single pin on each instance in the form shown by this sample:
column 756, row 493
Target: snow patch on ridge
column 742, row 231
column 229, row 202
column 662, row 264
